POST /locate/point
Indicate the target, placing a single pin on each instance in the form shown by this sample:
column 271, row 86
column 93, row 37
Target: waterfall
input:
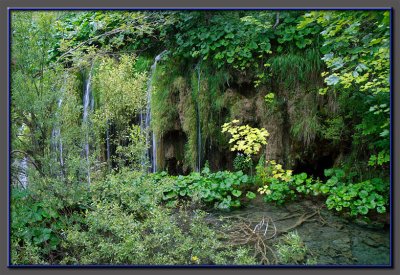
column 145, row 119
column 108, row 144
column 56, row 137
column 198, row 120
column 23, row 168
column 88, row 104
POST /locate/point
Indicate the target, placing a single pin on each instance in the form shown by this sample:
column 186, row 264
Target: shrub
column 224, row 189
column 340, row 192
column 128, row 224
column 38, row 216
column 245, row 139
column 292, row 250
column 242, row 163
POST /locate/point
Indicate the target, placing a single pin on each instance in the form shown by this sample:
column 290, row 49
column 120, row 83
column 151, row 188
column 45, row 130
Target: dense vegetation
column 221, row 106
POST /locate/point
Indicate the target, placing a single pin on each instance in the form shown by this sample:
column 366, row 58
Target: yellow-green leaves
column 269, row 98
column 122, row 90
column 244, row 138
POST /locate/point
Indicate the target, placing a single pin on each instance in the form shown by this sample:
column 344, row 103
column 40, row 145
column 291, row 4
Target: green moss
column 163, row 105
column 296, row 67
column 143, row 63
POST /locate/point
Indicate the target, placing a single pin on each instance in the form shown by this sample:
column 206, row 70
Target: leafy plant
column 37, row 223
column 359, row 198
column 274, row 181
column 128, row 224
column 242, row 162
column 292, row 250
column 134, row 150
column 269, row 98
column 341, row 194
column 224, row 189
column 245, row 139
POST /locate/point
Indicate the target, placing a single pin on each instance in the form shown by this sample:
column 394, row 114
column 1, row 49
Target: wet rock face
column 241, row 100
column 370, row 247
column 171, row 152
column 330, row 239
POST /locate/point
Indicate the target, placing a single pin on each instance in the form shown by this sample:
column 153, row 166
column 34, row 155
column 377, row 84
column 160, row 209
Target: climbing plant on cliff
column 356, row 52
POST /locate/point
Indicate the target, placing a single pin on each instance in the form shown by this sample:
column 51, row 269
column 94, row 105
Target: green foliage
column 295, row 67
column 32, row 222
column 223, row 189
column 132, row 191
column 38, row 217
column 224, row 37
column 359, row 198
column 292, row 250
column 121, row 89
column 354, row 58
column 134, row 152
column 35, row 90
column 242, row 162
column 133, row 218
column 356, row 52
column 379, row 159
column 114, row 237
column 334, row 129
column 127, row 225
column 340, row 192
column 103, row 32
column 269, row 98
column 245, row 138
column 275, row 182
column 306, row 119
column 168, row 84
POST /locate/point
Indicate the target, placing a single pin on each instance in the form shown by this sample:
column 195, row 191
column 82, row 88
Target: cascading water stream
column 108, row 144
column 56, row 135
column 23, row 166
column 88, row 104
column 145, row 119
column 198, row 120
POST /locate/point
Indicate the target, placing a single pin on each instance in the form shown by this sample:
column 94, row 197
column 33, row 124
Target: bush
column 129, row 225
column 242, row 163
column 358, row 198
column 224, row 189
column 341, row 194
column 292, row 250
column 39, row 215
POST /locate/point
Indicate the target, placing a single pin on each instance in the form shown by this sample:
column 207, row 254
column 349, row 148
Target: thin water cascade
column 23, row 167
column 56, row 136
column 198, row 168
column 88, row 104
column 108, row 144
column 145, row 119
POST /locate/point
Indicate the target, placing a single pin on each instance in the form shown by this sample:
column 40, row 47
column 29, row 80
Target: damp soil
column 329, row 238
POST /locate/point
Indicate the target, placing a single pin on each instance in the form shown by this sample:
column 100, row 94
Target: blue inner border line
column 198, row 8
column 9, row 265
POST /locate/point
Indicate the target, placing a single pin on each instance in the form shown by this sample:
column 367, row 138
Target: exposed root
column 303, row 218
column 263, row 234
column 243, row 233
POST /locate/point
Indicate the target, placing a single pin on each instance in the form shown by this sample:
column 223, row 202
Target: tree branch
column 115, row 31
